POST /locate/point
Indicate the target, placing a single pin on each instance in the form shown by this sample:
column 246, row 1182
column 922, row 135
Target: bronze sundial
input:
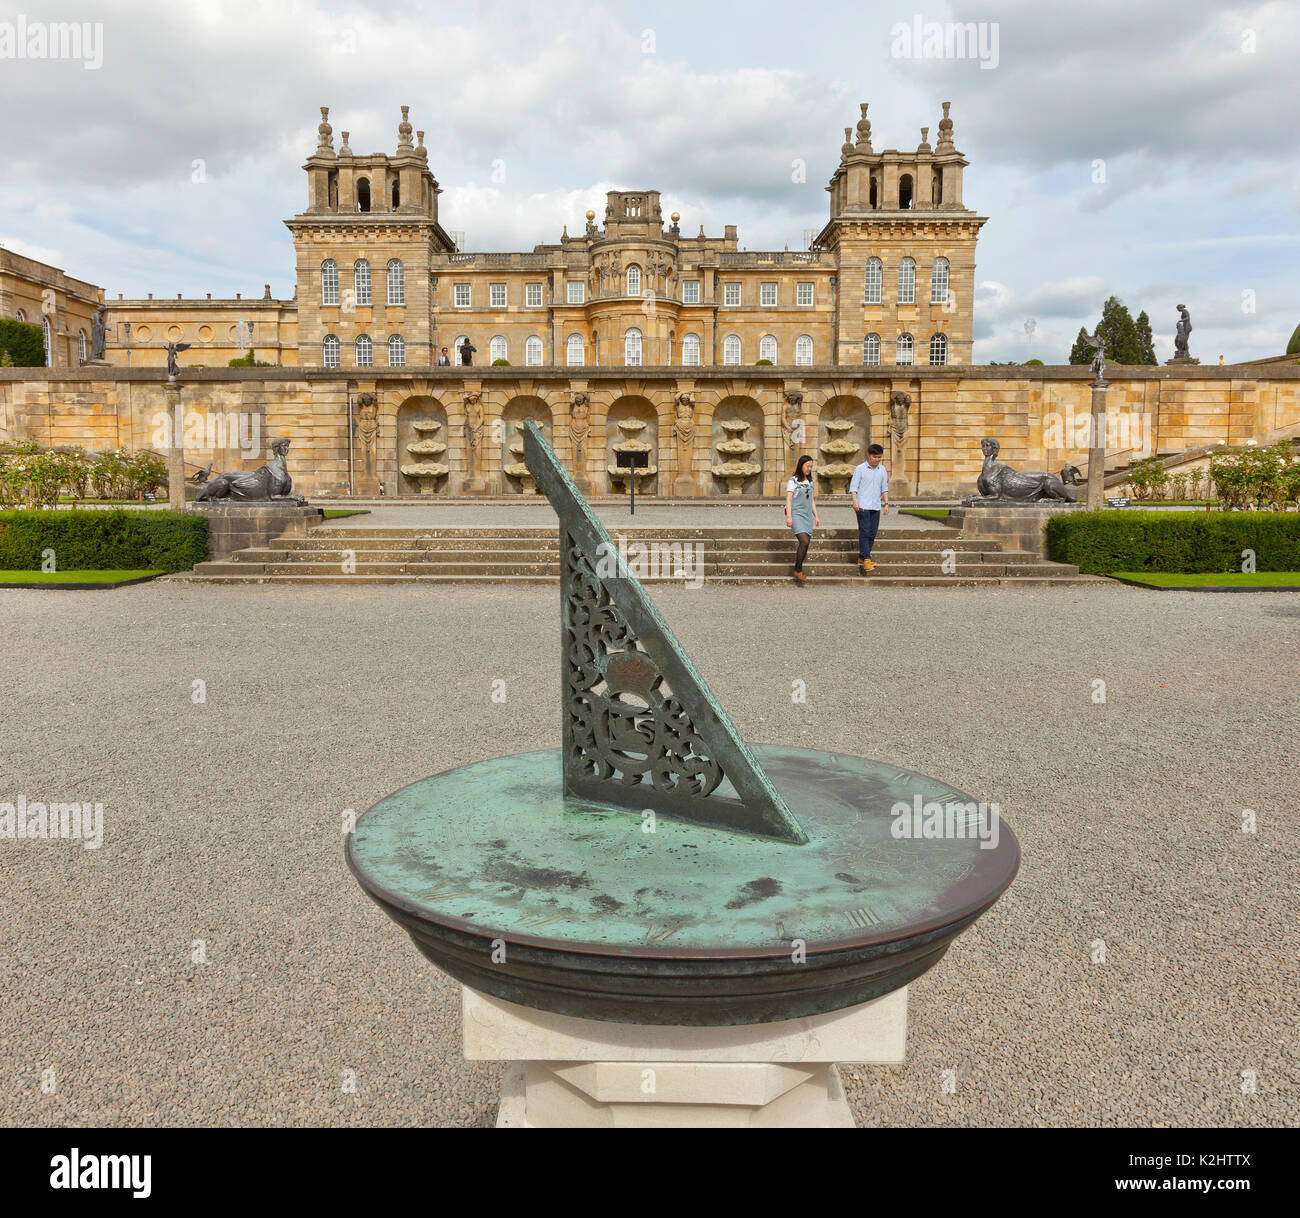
column 656, row 869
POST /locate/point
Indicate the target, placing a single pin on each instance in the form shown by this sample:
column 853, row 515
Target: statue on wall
column 684, row 434
column 579, row 424
column 367, row 430
column 1098, row 343
column 173, row 350
column 792, row 428
column 1071, row 475
column 98, row 333
column 1000, row 485
column 1182, row 333
column 270, row 484
column 899, row 405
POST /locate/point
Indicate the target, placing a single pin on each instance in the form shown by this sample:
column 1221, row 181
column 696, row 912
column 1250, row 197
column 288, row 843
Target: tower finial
column 325, row 134
column 404, row 129
column 420, row 150
column 344, row 150
column 945, row 130
column 924, row 145
column 864, row 130
column 846, row 149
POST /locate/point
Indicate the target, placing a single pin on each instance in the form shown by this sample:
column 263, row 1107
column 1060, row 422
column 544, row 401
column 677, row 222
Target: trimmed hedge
column 112, row 540
column 1188, row 542
column 23, row 342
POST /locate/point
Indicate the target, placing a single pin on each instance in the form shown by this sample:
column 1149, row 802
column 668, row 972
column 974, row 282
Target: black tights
column 805, row 539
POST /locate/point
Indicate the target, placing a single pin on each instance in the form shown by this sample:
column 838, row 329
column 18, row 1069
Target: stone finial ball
column 676, row 216
column 591, row 215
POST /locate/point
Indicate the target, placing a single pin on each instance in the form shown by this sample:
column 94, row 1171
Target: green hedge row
column 118, row 540
column 1188, row 542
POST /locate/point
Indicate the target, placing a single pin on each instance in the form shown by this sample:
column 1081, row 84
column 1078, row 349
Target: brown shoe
column 868, row 565
column 800, row 577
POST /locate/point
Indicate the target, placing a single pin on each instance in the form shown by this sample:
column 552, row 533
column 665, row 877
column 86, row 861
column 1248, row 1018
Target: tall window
column 363, row 194
column 803, row 350
column 691, row 351
column 49, row 345
column 874, row 281
column 939, row 281
column 533, row 352
column 767, row 294
column 533, row 295
column 907, row 281
column 731, row 293
column 330, row 351
column 731, row 349
column 634, row 280
column 804, row 294
column 497, row 295
column 361, row 281
column 871, row 349
column 455, row 350
column 462, row 296
column 497, row 349
column 329, row 282
column 81, row 346
column 20, row 315
column 577, row 291
column 938, row 350
column 396, row 351
column 767, row 348
column 904, row 349
column 396, row 283
column 632, row 348
column 690, row 291
column 365, row 352
column 576, row 351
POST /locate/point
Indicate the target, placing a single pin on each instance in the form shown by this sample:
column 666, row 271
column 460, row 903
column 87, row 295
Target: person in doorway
column 444, row 360
column 801, row 512
column 382, row 492
column 466, row 350
column 870, row 491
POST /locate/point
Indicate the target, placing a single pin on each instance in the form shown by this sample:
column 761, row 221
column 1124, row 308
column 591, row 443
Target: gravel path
column 222, row 824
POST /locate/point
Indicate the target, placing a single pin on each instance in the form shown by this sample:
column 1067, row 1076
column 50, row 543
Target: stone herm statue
column 1000, row 484
column 270, row 484
column 98, row 334
column 173, row 350
column 1182, row 333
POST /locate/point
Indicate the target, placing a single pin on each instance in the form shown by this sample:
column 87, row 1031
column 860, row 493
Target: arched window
column 875, row 279
column 938, row 350
column 691, row 351
column 803, row 350
column 905, row 192
column 455, row 350
column 936, row 185
column 871, row 349
column 397, row 196
column 767, row 347
column 49, row 345
column 903, row 350
column 365, row 351
column 731, row 349
column 576, row 351
column 396, row 351
column 632, row 348
column 497, row 349
column 361, row 281
column 875, row 193
column 81, row 346
column 939, row 281
column 533, row 352
column 330, row 351
column 907, row 282
column 396, row 283
column 20, row 315
column 634, row 280
column 363, row 194
column 329, row 282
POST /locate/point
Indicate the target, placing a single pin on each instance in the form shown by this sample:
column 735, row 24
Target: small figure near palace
column 1000, row 484
column 1182, row 333
column 466, row 351
column 801, row 512
column 270, row 484
column 98, row 334
column 869, row 487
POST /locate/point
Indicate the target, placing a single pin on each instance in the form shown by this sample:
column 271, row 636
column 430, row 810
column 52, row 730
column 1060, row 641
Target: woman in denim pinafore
column 801, row 512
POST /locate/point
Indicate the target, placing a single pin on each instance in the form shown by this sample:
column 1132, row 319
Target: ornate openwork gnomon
column 641, row 728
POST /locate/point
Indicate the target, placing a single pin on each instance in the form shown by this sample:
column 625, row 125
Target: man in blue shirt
column 870, row 491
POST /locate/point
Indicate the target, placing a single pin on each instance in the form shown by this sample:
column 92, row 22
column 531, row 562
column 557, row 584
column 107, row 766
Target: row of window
column 874, row 280
column 361, row 285
column 576, row 350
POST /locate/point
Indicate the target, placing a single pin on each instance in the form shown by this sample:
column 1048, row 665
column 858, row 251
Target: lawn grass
column 925, row 513
column 335, row 513
column 1211, row 579
column 73, row 577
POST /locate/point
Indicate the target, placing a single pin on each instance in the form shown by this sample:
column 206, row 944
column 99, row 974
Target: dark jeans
column 868, row 523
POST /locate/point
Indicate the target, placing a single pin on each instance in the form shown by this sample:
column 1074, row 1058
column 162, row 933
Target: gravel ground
column 222, row 824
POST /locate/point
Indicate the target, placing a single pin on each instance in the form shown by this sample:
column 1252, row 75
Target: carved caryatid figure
column 1000, row 484
column 473, row 425
column 792, row 427
column 270, row 484
column 579, row 424
column 900, row 404
column 367, row 430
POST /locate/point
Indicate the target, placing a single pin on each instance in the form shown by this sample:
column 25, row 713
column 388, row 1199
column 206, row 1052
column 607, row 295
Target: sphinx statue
column 1001, row 485
column 270, row 484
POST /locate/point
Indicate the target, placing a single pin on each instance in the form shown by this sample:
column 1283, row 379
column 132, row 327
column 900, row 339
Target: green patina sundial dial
column 657, row 869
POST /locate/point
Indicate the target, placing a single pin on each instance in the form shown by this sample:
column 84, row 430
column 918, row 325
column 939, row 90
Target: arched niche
column 843, row 434
column 515, row 478
column 423, row 446
column 736, row 447
column 632, row 423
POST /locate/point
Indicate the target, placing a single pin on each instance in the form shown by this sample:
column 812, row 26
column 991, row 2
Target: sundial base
column 570, row 1073
column 551, row 902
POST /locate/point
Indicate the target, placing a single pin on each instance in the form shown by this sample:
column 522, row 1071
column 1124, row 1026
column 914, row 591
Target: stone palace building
column 719, row 363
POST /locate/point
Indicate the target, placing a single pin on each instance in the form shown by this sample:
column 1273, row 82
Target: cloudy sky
column 1138, row 147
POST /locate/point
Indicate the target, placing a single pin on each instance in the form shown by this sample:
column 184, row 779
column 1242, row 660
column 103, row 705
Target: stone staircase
column 904, row 557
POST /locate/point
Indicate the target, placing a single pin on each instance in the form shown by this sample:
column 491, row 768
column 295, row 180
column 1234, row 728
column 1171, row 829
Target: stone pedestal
column 1097, row 450
column 566, row 1072
column 237, row 526
column 176, row 449
column 1016, row 526
column 1181, row 361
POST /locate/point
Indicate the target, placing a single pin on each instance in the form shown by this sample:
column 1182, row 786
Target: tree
column 1127, row 341
column 23, row 342
column 1293, row 347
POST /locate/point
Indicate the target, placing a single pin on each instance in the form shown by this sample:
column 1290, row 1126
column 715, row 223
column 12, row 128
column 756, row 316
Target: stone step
column 774, row 551
column 506, row 536
column 875, row 579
